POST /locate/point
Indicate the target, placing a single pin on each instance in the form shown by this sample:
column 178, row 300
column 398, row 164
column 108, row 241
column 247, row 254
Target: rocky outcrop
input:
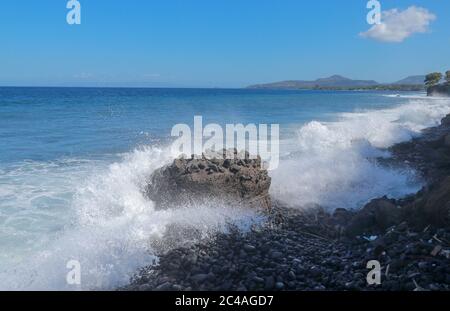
column 429, row 153
column 439, row 90
column 375, row 217
column 431, row 206
column 232, row 180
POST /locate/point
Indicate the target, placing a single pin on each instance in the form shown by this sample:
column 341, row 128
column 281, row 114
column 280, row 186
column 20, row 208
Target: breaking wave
column 94, row 211
column 110, row 228
column 334, row 164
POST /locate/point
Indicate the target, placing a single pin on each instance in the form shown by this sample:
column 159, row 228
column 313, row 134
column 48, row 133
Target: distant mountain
column 335, row 81
column 418, row 80
column 340, row 81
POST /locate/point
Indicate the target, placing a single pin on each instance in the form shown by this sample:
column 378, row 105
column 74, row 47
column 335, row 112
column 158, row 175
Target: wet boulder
column 431, row 207
column 375, row 217
column 230, row 178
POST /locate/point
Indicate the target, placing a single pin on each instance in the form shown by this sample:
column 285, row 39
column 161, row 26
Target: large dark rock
column 439, row 90
column 375, row 217
column 446, row 121
column 429, row 153
column 235, row 180
column 431, row 207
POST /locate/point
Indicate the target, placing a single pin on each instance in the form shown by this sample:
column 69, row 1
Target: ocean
column 74, row 163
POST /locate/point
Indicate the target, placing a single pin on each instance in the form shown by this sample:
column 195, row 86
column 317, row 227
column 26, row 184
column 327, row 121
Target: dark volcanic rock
column 236, row 180
column 375, row 217
column 446, row 121
column 429, row 153
column 291, row 257
column 439, row 90
column 432, row 206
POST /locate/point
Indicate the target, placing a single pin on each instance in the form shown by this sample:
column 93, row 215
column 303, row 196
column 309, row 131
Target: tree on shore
column 433, row 79
column 447, row 77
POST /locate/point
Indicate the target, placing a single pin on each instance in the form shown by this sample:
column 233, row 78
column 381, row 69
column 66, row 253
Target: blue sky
column 211, row 43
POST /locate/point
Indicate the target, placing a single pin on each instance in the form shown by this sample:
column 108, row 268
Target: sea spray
column 94, row 211
column 333, row 164
column 115, row 228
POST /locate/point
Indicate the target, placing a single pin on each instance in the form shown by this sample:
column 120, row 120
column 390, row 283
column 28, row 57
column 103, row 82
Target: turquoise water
column 74, row 162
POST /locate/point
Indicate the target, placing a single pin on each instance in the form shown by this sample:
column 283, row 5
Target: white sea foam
column 333, row 164
column 111, row 229
column 95, row 212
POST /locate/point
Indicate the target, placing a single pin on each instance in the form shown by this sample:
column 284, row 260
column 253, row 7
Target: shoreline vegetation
column 315, row 249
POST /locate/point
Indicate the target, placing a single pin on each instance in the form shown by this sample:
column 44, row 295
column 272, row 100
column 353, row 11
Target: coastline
column 317, row 250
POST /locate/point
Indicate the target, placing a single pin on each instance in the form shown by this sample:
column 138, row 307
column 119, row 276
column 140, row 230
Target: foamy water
column 92, row 209
column 110, row 227
column 334, row 164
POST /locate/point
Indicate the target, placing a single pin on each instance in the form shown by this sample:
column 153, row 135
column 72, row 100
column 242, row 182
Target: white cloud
column 398, row 25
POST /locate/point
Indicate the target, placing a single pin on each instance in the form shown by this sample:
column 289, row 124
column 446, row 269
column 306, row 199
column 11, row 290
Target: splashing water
column 94, row 210
column 111, row 227
column 334, row 164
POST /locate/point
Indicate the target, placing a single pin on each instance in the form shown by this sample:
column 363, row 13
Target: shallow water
column 73, row 163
